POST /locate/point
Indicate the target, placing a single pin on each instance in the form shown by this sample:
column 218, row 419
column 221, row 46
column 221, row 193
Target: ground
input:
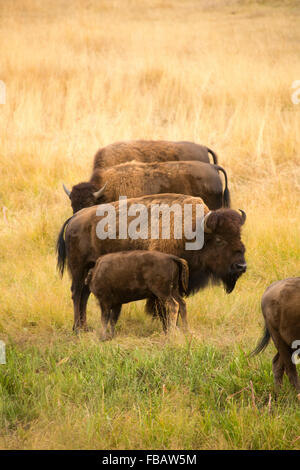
column 81, row 74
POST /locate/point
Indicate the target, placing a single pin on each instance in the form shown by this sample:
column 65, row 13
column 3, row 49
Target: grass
column 188, row 396
column 80, row 75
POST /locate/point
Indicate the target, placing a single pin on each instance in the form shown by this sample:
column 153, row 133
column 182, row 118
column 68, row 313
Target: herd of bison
column 124, row 269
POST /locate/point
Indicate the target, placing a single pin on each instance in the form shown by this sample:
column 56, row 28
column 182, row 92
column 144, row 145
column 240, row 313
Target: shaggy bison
column 281, row 310
column 151, row 274
column 221, row 257
column 134, row 179
column 146, row 151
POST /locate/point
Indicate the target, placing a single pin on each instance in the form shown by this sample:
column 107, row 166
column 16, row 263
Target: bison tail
column 183, row 275
column 61, row 249
column 214, row 156
column 263, row 343
column 226, row 193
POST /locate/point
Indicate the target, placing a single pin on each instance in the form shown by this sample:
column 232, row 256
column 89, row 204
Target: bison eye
column 220, row 241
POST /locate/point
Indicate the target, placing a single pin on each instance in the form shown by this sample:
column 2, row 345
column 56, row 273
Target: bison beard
column 197, row 281
column 229, row 281
column 200, row 279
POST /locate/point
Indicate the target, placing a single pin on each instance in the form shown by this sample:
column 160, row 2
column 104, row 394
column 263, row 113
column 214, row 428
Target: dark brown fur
column 128, row 276
column 221, row 259
column 281, row 310
column 135, row 179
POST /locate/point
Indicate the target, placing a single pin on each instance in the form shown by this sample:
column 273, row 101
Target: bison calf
column 123, row 277
column 281, row 310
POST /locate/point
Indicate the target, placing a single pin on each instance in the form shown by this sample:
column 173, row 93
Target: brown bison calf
column 123, row 277
column 281, row 310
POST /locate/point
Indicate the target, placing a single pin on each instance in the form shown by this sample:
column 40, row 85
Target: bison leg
column 285, row 353
column 291, row 371
column 105, row 318
column 85, row 293
column 76, row 296
column 172, row 307
column 278, row 370
column 115, row 313
column 80, row 294
column 163, row 315
column 182, row 312
column 159, row 309
column 150, row 307
column 155, row 308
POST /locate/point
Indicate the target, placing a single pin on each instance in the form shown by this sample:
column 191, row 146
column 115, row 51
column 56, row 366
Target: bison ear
column 210, row 222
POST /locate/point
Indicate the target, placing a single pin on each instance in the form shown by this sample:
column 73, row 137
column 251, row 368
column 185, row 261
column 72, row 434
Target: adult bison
column 148, row 151
column 135, row 179
column 281, row 310
column 221, row 258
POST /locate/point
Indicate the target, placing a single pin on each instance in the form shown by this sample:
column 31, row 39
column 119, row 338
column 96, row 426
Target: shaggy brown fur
column 128, row 276
column 148, row 151
column 220, row 259
column 281, row 310
column 134, row 179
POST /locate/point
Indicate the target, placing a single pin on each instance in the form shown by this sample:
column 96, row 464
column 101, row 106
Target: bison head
column 84, row 195
column 224, row 250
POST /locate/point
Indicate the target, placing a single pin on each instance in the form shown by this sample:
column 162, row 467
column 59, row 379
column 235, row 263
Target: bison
column 87, row 194
column 281, row 310
column 221, row 259
column 134, row 179
column 148, row 151
column 152, row 274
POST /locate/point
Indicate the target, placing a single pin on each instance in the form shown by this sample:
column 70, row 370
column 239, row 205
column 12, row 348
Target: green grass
column 109, row 396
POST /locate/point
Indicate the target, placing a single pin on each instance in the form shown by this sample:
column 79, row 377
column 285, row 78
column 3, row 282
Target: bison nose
column 239, row 267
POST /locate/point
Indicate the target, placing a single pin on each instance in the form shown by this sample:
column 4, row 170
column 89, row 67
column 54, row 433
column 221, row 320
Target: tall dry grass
column 82, row 74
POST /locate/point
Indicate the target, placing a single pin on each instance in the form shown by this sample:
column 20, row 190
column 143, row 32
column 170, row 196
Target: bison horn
column 66, row 190
column 99, row 193
column 205, row 227
column 243, row 215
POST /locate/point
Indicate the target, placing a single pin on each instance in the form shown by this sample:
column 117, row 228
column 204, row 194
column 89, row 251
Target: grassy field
column 81, row 74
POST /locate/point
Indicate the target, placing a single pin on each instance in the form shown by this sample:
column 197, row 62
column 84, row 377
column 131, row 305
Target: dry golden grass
column 81, row 74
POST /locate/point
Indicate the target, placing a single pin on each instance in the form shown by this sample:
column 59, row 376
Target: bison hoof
column 80, row 328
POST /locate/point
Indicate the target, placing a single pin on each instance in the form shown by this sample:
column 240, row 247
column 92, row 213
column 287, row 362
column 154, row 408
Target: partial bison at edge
column 127, row 276
column 281, row 310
